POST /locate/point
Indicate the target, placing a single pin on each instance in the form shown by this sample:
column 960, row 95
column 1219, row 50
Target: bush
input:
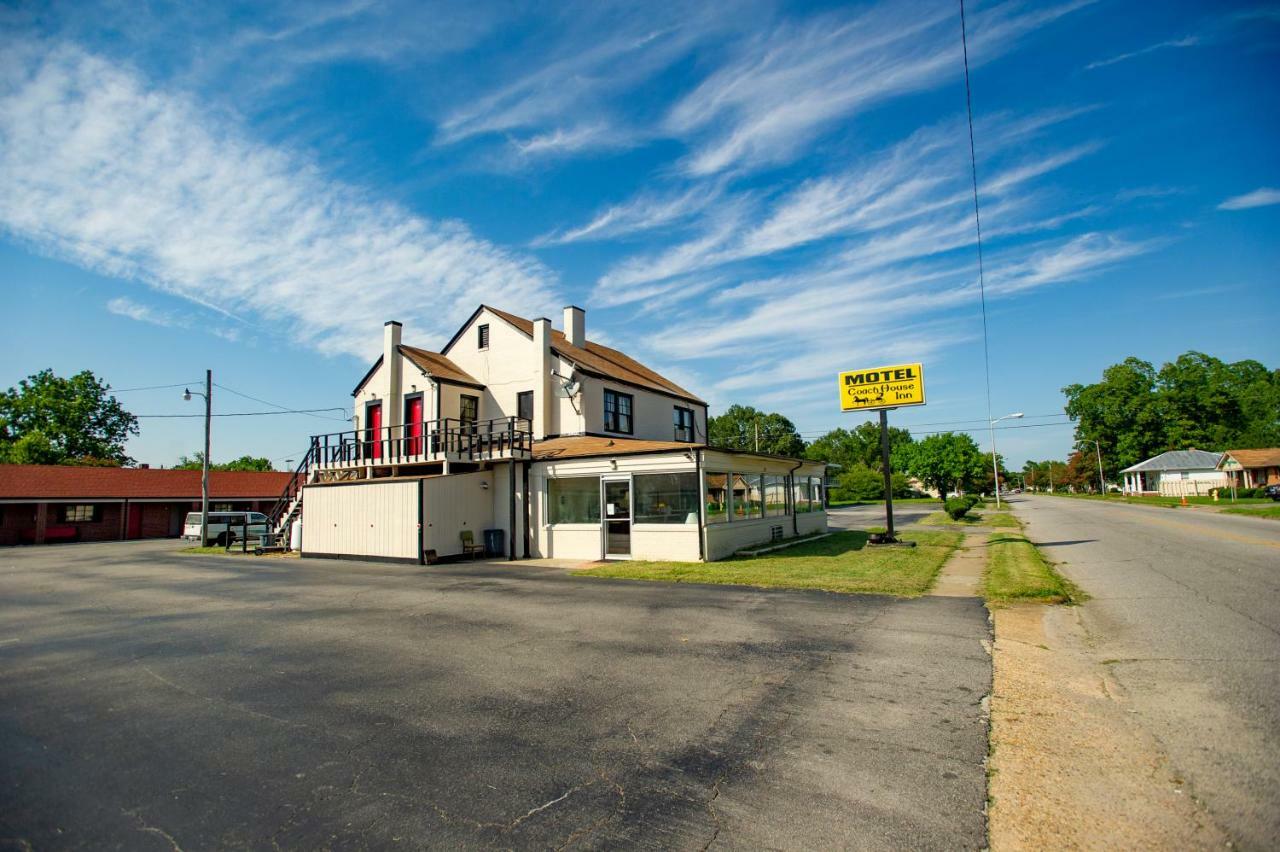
column 972, row 500
column 957, row 507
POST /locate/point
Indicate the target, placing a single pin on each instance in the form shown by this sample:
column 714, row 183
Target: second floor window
column 468, row 408
column 524, row 405
column 683, row 419
column 482, row 336
column 617, row 412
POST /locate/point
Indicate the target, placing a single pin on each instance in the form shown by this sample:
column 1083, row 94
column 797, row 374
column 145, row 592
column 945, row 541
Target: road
column 1185, row 611
column 150, row 700
column 872, row 515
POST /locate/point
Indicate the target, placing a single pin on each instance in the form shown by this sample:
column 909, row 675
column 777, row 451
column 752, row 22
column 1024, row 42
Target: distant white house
column 1176, row 473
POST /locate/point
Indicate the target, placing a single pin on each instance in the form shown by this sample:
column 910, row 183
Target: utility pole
column 1102, row 483
column 756, row 424
column 204, row 468
column 995, row 464
column 204, row 472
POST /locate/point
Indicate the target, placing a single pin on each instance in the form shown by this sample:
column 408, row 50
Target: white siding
column 451, row 504
column 652, row 413
column 370, row 519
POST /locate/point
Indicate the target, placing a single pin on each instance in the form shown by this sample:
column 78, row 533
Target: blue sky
column 748, row 196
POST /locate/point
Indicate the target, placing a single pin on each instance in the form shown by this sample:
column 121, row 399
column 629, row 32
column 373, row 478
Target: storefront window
column 748, row 491
column 665, row 498
column 775, row 495
column 573, row 500
column 803, row 492
column 717, row 498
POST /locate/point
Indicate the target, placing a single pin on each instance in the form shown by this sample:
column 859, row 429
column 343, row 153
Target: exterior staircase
column 289, row 506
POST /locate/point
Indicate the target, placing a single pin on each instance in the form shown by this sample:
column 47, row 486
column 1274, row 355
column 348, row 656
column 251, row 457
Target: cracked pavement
column 150, row 700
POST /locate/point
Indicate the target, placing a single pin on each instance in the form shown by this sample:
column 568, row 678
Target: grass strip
column 973, row 519
column 1272, row 512
column 1160, row 500
column 1016, row 571
column 842, row 563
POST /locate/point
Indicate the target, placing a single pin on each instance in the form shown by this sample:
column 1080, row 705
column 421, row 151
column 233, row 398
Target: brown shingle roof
column 1269, row 457
column 54, row 482
column 587, row 446
column 438, row 365
column 602, row 360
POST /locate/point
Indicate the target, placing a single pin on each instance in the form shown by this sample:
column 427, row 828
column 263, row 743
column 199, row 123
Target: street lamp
column 204, row 468
column 1102, row 483
column 995, row 464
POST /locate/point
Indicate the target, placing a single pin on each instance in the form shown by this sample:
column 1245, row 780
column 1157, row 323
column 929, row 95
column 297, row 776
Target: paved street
column 1185, row 612
column 861, row 517
column 150, row 700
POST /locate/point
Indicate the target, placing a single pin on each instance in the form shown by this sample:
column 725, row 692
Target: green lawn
column 1157, row 500
column 842, row 562
column 843, row 504
column 1017, row 572
column 974, row 518
column 1272, row 511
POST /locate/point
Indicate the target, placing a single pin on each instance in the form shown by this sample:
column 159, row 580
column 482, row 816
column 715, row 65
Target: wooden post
column 888, row 475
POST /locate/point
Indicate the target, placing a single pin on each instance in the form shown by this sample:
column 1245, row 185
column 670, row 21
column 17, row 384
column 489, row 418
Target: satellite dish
column 571, row 388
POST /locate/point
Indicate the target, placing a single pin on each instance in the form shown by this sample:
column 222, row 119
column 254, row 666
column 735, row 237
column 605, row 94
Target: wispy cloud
column 126, row 307
column 646, row 212
column 201, row 210
column 908, row 201
column 783, row 87
column 1262, row 197
column 1188, row 41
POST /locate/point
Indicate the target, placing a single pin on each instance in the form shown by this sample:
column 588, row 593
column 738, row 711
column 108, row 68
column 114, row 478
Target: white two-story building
column 539, row 443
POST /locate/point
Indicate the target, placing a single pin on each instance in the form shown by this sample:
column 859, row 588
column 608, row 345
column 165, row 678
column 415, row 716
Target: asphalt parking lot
column 151, row 700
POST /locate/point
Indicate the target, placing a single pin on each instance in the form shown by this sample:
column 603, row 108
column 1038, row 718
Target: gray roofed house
column 1175, row 473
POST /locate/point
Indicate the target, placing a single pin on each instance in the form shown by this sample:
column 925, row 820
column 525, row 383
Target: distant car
column 1273, row 491
column 226, row 527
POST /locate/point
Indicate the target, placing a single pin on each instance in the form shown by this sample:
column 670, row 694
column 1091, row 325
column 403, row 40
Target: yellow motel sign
column 882, row 387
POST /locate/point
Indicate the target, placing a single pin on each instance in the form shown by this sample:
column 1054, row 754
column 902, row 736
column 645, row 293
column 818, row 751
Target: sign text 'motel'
column 882, row 387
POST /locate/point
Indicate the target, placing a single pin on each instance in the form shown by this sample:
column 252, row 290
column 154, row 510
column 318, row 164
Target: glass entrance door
column 616, row 496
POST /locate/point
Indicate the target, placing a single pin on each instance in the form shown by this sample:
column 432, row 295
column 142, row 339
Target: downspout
column 791, row 496
column 528, row 507
column 702, row 504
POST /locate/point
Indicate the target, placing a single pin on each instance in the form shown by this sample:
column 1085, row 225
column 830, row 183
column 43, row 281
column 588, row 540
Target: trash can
column 493, row 543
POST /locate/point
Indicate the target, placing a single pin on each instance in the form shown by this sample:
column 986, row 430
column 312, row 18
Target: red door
column 413, row 426
column 133, row 523
column 373, row 429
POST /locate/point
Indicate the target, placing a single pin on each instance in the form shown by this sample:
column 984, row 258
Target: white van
column 226, row 527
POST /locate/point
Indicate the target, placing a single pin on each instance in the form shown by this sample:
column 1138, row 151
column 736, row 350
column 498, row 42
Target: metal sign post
column 888, row 475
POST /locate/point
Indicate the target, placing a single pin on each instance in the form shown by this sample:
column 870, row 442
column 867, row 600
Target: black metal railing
column 288, row 503
column 424, row 441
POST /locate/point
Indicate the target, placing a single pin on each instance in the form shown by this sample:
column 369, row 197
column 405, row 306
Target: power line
column 155, row 387
column 278, row 405
column 937, row 423
column 242, row 413
column 977, row 218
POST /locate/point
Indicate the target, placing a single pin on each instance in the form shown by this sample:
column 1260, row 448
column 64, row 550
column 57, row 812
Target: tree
column 196, row 461
column 48, row 419
column 736, row 429
column 949, row 461
column 858, row 446
column 1080, row 473
column 1136, row 412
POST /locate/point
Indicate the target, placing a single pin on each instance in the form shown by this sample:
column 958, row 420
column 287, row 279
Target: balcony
column 424, row 442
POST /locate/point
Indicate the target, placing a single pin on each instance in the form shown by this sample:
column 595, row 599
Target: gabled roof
column 61, row 482
column 593, row 358
column 438, row 366
column 432, row 363
column 1269, row 457
column 1178, row 460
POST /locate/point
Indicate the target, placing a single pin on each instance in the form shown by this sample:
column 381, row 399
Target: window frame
column 678, row 413
column 610, row 393
column 464, row 398
column 482, row 336
column 676, row 515
column 550, row 505
column 68, row 509
column 520, row 397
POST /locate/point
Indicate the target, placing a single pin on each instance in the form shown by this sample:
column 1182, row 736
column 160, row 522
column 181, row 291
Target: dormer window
column 683, row 421
column 482, row 336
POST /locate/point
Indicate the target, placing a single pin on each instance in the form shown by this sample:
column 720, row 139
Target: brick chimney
column 542, row 381
column 392, row 406
column 575, row 325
